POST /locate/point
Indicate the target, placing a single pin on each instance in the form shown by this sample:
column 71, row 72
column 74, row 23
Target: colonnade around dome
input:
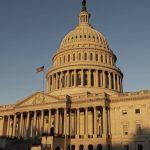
column 84, row 78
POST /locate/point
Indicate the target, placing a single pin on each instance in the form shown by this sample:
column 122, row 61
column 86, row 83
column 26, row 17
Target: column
column 49, row 122
column 34, row 124
column 104, row 121
column 104, row 80
column 75, row 122
column 60, row 79
column 56, row 87
column 110, row 83
column 2, row 131
column 70, row 125
column 65, row 121
column 56, row 122
column 42, row 122
column 14, row 125
column 8, row 126
column 95, row 122
column 96, row 78
column 78, row 123
column 114, row 76
column 121, row 89
column 20, row 126
column 75, row 78
column 118, row 85
column 27, row 125
column 89, row 77
column 108, row 121
column 68, row 81
column 47, row 84
column 86, row 122
column 82, row 77
column 52, row 84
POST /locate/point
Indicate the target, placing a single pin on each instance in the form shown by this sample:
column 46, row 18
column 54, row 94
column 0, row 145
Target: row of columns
column 85, row 77
column 26, row 125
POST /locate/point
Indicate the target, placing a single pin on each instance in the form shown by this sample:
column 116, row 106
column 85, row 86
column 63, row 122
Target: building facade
column 84, row 106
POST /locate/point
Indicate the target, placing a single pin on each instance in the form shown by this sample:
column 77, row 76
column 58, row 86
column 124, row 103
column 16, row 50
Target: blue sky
column 31, row 32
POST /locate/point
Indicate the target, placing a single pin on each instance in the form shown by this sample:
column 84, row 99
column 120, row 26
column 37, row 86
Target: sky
column 31, row 32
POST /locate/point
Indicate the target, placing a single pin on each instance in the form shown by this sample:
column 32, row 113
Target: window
column 68, row 58
column 79, row 56
column 137, row 111
column 96, row 57
column 85, row 56
column 81, row 147
column 125, row 129
column 140, row 147
column 126, row 147
column 124, row 112
column 73, row 57
column 91, row 56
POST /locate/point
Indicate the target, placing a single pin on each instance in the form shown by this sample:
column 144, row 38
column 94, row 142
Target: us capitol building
column 84, row 107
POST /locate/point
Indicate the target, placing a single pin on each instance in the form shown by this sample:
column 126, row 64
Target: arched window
column 68, row 147
column 96, row 57
column 79, row 56
column 99, row 147
column 90, row 147
column 91, row 56
column 68, row 58
column 81, row 147
column 72, row 147
column 73, row 57
column 57, row 148
column 85, row 56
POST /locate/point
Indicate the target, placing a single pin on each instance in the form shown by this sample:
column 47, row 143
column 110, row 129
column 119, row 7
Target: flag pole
column 43, row 81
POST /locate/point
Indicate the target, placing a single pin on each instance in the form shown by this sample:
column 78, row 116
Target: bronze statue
column 84, row 5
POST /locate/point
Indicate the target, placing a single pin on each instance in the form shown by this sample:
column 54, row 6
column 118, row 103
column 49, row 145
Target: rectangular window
column 124, row 112
column 125, row 129
column 140, row 147
column 137, row 111
column 126, row 147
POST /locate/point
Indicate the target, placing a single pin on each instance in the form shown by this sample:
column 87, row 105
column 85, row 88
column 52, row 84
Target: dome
column 84, row 33
column 84, row 63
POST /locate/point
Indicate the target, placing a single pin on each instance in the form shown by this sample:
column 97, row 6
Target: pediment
column 37, row 99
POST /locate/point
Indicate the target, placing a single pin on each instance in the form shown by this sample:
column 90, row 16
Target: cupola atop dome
column 84, row 15
column 84, row 33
